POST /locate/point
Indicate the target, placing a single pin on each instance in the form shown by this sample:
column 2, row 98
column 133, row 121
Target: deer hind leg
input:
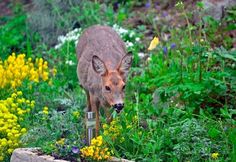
column 95, row 108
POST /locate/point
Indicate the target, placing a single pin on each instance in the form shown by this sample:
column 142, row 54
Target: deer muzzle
column 118, row 107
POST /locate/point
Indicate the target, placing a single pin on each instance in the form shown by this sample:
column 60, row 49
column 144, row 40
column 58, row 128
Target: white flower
column 57, row 46
column 61, row 38
column 76, row 42
column 120, row 30
column 131, row 34
column 141, row 54
column 137, row 39
column 70, row 36
column 70, row 62
column 129, row 44
column 123, row 31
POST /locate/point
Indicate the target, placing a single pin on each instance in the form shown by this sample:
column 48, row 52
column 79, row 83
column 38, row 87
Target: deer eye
column 107, row 88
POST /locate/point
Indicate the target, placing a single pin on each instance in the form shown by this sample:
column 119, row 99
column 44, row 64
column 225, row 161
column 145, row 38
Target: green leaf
column 213, row 132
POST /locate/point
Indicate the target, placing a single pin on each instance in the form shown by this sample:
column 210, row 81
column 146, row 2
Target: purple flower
column 75, row 150
column 115, row 6
column 172, row 46
column 84, row 141
column 148, row 4
column 164, row 14
column 165, row 50
column 157, row 6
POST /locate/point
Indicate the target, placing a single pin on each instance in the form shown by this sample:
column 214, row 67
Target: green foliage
column 63, row 124
column 13, row 34
column 185, row 102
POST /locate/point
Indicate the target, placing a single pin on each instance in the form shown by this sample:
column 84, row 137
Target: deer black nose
column 118, row 107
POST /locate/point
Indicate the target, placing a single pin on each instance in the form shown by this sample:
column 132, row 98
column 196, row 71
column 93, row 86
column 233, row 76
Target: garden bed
column 34, row 155
column 180, row 94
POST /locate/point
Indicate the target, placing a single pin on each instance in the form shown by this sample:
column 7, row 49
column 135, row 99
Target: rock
column 114, row 159
column 216, row 8
column 31, row 155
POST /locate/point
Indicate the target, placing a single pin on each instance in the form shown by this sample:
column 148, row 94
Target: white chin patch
column 118, row 111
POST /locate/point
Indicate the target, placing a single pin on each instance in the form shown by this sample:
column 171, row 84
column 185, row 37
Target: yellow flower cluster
column 45, row 110
column 61, row 141
column 113, row 130
column 215, row 155
column 96, row 151
column 76, row 114
column 15, row 69
column 12, row 111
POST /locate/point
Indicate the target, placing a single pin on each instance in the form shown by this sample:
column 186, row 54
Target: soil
column 6, row 6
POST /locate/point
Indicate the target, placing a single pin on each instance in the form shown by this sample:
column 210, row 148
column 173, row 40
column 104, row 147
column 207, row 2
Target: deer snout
column 118, row 107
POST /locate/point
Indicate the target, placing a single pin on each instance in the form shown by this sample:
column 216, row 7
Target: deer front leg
column 95, row 108
column 88, row 102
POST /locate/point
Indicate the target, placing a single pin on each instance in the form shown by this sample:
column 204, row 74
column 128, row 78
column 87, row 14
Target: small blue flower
column 75, row 150
column 115, row 6
column 148, row 4
column 165, row 50
column 172, row 46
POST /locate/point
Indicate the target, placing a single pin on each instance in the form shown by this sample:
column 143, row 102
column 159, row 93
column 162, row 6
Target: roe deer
column 103, row 66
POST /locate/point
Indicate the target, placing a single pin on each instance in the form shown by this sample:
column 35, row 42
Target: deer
column 102, row 70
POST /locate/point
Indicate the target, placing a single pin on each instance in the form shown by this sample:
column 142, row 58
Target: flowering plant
column 96, row 151
column 12, row 112
column 17, row 68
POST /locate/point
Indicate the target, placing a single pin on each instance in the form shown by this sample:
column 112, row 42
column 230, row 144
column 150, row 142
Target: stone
column 114, row 159
column 31, row 155
column 216, row 8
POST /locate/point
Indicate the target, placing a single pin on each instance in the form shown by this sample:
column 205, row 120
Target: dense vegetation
column 181, row 92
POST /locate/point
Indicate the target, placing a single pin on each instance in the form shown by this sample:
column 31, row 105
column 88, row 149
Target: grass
column 180, row 97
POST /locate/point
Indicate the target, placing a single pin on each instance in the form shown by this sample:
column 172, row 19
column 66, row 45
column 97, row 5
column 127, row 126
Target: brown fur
column 102, row 62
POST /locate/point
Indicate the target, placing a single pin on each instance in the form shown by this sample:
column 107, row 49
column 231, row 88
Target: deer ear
column 125, row 64
column 98, row 65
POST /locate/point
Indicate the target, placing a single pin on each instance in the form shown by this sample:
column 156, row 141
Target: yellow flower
column 54, row 71
column 113, row 130
column 215, row 155
column 96, row 151
column 10, row 151
column 61, row 141
column 15, row 69
column 122, row 139
column 153, row 43
column 23, row 130
column 19, row 93
column 45, row 110
column 11, row 112
column 76, row 114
